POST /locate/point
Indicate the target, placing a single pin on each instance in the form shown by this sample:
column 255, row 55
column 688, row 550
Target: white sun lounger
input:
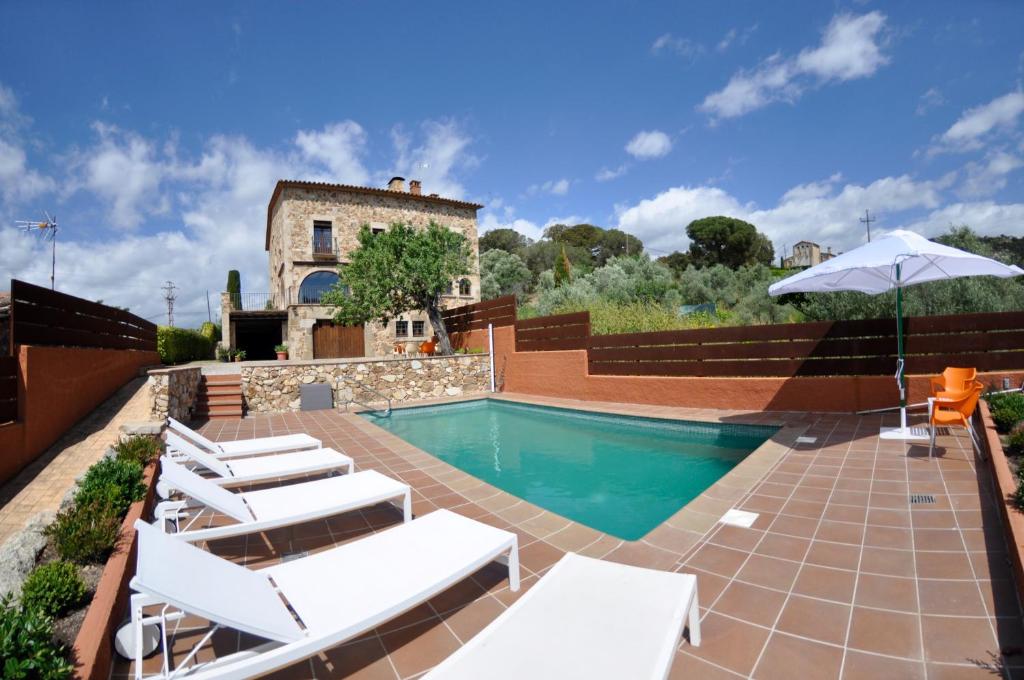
column 585, row 618
column 236, row 471
column 265, row 509
column 247, row 447
column 312, row 603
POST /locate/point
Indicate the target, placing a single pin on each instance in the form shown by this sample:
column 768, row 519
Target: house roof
column 352, row 189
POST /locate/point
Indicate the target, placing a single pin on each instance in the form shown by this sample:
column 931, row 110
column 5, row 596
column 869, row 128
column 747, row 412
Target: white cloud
column 970, row 131
column 607, row 174
column 555, row 187
column 735, row 36
column 851, row 47
column 683, row 47
column 989, row 177
column 123, row 169
column 649, row 144
column 529, row 229
column 931, row 99
column 436, row 161
column 18, row 182
column 984, row 217
column 824, row 211
column 339, row 146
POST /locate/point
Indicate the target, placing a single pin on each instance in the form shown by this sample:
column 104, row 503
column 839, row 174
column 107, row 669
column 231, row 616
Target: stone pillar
column 227, row 332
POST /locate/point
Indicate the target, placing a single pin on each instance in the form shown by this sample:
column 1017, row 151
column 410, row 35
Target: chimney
column 396, row 184
column 414, row 187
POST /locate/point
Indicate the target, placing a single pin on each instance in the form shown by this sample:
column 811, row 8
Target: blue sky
column 156, row 131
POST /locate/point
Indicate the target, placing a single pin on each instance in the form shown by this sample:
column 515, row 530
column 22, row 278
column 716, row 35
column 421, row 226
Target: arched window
column 465, row 287
column 315, row 285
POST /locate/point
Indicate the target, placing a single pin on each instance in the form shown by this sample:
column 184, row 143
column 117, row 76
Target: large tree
column 509, row 240
column 400, row 270
column 601, row 243
column 503, row 273
column 727, row 241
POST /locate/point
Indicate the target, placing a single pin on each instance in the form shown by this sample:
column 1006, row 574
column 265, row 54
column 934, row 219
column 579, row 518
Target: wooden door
column 334, row 341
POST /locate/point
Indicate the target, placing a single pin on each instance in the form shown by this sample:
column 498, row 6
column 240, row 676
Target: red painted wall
column 57, row 386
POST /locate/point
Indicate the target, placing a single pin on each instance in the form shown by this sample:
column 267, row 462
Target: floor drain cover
column 918, row 498
column 288, row 557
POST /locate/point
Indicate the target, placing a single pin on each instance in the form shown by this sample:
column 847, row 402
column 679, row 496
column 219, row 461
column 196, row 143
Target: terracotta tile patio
column 839, row 576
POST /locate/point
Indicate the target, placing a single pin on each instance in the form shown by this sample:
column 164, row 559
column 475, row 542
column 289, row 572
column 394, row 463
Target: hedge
column 178, row 345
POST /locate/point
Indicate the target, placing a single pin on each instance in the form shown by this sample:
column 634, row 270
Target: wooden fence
column 8, row 389
column 990, row 342
column 499, row 312
column 40, row 316
column 558, row 332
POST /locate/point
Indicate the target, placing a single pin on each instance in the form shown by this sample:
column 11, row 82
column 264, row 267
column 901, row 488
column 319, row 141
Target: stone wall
column 274, row 386
column 173, row 392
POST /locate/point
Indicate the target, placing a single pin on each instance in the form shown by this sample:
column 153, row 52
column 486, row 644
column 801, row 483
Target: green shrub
column 27, row 648
column 113, row 481
column 1016, row 441
column 210, row 330
column 54, row 588
column 138, row 448
column 178, row 345
column 1008, row 411
column 281, row 348
column 85, row 533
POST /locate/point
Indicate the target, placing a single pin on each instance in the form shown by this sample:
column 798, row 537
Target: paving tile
column 825, row 583
column 886, row 592
column 884, row 632
column 729, row 643
column 769, row 572
column 957, row 640
column 788, row 657
column 861, row 666
column 750, row 603
column 815, row 619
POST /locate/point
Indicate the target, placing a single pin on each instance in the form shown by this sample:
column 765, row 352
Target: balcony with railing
column 325, row 246
column 257, row 302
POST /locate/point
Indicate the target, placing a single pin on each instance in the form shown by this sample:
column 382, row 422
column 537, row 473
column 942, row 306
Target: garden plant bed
column 1006, row 470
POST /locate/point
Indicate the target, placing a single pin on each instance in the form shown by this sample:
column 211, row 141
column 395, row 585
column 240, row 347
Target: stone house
column 806, row 254
column 311, row 229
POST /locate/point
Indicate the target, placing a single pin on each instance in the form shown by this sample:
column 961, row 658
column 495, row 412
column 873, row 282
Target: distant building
column 806, row 254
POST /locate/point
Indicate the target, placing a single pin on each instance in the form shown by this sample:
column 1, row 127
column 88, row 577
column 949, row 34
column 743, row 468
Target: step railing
column 364, row 386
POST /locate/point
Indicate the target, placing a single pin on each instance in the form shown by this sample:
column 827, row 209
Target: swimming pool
column 621, row 475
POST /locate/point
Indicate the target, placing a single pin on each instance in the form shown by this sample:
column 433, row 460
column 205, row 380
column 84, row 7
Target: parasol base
column 905, row 433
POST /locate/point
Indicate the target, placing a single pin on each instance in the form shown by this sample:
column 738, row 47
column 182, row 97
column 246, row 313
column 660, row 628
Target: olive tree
column 400, row 270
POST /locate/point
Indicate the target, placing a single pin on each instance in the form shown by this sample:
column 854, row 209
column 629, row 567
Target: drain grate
column 288, row 557
column 919, row 498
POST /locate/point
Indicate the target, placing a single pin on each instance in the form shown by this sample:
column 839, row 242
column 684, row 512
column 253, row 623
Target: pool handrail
column 366, row 387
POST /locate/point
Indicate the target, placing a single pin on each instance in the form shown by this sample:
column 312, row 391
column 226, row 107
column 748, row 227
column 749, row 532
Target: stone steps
column 219, row 397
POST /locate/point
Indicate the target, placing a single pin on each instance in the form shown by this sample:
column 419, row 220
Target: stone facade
column 274, row 386
column 291, row 256
column 173, row 392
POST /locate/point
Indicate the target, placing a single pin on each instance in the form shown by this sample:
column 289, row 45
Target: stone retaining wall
column 173, row 392
column 274, row 386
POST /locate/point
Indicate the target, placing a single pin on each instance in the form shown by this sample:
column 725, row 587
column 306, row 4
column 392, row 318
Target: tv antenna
column 170, row 296
column 867, row 220
column 47, row 229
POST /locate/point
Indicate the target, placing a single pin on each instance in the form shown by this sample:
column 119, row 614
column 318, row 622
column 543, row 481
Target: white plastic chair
column 246, row 447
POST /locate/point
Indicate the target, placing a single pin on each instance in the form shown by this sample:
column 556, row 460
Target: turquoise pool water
column 617, row 474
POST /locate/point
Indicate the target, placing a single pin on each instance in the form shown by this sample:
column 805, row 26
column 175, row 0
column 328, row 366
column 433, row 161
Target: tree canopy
column 509, row 240
column 727, row 241
column 600, row 243
column 503, row 273
column 397, row 271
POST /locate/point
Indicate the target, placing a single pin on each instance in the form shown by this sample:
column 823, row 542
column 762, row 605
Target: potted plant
column 223, row 353
column 239, row 355
column 282, row 351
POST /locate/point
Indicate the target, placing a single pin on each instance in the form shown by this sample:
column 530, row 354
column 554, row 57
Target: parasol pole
column 900, row 379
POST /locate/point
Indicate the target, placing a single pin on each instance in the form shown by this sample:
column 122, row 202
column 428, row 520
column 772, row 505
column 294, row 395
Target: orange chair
column 428, row 346
column 955, row 411
column 953, row 382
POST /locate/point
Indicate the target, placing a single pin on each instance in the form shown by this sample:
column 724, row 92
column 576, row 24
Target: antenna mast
column 48, row 231
column 169, row 295
column 867, row 220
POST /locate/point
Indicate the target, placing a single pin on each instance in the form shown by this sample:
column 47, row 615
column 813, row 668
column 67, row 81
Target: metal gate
column 334, row 341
